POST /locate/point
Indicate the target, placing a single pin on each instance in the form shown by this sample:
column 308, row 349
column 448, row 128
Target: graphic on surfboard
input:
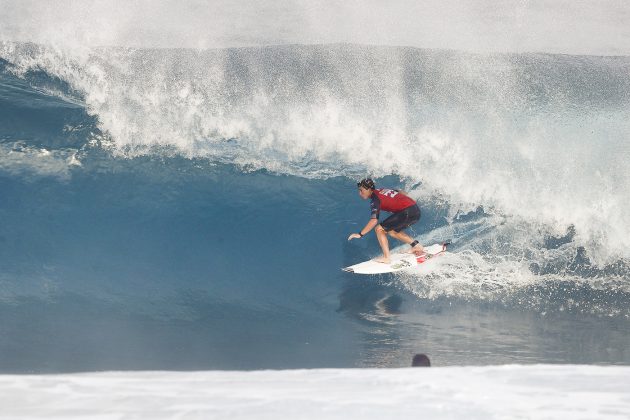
column 398, row 261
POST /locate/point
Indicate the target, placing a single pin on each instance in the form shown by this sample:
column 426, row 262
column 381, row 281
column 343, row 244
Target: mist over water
column 192, row 172
column 562, row 27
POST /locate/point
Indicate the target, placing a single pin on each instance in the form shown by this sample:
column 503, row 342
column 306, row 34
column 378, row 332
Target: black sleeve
column 375, row 207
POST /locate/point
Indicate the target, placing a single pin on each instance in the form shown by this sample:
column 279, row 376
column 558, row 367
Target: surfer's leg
column 416, row 248
column 403, row 237
column 395, row 224
column 382, row 240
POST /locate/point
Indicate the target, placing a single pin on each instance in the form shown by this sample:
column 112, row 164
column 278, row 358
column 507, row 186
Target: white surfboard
column 398, row 261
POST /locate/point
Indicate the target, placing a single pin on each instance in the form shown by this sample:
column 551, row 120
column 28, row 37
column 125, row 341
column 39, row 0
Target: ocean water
column 187, row 207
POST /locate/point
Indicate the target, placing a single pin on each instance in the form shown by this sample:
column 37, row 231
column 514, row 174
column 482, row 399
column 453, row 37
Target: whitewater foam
column 19, row 159
column 536, row 392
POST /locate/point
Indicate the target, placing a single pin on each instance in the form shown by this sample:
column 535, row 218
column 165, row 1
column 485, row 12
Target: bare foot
column 383, row 260
column 418, row 250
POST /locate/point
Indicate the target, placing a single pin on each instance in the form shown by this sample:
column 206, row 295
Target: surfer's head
column 420, row 360
column 366, row 187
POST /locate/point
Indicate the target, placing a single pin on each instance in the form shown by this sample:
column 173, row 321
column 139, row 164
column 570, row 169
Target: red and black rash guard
column 389, row 200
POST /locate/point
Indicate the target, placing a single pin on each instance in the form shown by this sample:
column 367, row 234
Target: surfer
column 405, row 213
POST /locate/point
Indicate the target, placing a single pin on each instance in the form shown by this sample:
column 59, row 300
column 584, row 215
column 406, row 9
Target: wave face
column 155, row 197
column 538, row 137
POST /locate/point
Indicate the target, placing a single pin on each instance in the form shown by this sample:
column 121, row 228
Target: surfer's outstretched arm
column 370, row 225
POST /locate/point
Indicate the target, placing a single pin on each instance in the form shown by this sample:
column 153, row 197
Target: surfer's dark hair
column 366, row 183
column 420, row 360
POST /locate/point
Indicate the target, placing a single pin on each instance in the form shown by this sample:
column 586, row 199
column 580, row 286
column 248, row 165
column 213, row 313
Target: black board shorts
column 402, row 220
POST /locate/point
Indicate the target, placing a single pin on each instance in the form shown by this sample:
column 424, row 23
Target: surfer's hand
column 354, row 236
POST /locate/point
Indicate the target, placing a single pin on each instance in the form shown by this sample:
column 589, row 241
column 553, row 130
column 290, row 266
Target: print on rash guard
column 388, row 200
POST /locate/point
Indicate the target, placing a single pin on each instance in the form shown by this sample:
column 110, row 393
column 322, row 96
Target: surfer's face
column 365, row 193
